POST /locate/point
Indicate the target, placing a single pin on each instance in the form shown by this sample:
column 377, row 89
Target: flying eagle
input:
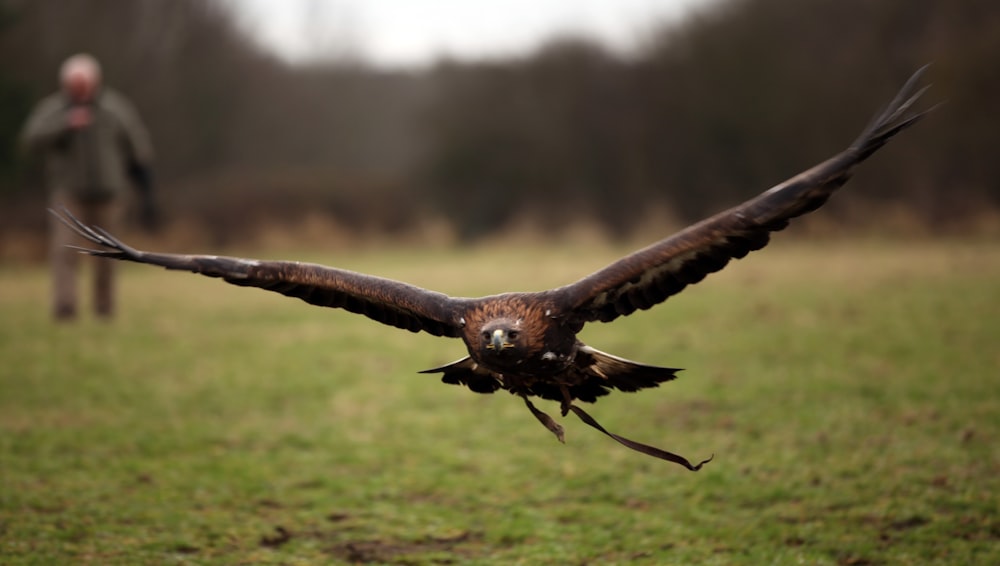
column 526, row 343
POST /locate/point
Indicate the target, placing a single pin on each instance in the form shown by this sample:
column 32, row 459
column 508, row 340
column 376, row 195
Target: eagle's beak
column 499, row 339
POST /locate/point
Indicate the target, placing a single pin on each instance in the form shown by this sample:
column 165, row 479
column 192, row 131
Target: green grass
column 850, row 393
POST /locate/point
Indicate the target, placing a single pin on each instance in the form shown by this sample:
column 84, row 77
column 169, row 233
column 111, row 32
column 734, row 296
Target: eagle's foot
column 546, row 420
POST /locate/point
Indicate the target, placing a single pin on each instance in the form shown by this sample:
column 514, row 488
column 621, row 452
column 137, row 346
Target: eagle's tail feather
column 620, row 373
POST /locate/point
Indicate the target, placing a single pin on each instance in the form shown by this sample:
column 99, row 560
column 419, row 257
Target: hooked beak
column 499, row 340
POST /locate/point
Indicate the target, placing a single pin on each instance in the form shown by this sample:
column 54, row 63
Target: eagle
column 526, row 342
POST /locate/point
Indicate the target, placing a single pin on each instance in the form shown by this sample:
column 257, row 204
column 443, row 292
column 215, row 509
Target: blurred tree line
column 708, row 111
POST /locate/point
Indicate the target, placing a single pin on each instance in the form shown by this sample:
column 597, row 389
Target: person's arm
column 47, row 126
column 139, row 159
column 141, row 176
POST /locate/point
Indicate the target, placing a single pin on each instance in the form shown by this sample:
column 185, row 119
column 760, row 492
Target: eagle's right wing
column 383, row 300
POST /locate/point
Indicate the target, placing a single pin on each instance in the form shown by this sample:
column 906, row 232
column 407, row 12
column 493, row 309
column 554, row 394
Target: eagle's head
column 501, row 337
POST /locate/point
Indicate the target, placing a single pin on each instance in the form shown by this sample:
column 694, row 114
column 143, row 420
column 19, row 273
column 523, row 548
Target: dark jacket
column 94, row 163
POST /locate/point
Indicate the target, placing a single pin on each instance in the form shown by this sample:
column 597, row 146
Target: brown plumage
column 527, row 343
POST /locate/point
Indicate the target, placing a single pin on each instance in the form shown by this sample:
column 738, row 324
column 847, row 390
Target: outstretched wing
column 383, row 300
column 651, row 275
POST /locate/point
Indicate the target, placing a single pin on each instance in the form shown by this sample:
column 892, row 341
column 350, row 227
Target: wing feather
column 652, row 274
column 384, row 300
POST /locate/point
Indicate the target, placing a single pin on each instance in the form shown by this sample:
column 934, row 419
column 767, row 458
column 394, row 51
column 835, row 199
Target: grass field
column 849, row 391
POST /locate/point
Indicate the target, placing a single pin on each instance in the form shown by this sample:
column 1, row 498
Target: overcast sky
column 414, row 32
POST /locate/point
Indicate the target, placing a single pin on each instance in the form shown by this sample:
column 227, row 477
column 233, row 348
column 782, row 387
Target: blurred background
column 319, row 133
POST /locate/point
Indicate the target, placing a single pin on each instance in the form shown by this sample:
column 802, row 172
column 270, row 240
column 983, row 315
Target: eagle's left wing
column 650, row 275
column 384, row 300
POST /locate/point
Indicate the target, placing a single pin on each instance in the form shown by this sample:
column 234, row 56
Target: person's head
column 80, row 77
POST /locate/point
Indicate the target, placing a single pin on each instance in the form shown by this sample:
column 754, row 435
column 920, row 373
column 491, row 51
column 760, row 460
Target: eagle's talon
column 558, row 431
column 547, row 421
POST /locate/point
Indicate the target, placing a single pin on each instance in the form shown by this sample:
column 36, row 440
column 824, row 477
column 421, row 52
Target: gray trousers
column 65, row 262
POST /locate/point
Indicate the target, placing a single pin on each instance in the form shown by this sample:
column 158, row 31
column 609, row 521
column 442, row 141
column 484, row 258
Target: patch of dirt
column 908, row 523
column 795, row 541
column 976, row 529
column 853, row 560
column 280, row 537
column 185, row 548
column 381, row 551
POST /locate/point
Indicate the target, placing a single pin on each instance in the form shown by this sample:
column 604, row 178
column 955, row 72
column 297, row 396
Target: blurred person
column 92, row 145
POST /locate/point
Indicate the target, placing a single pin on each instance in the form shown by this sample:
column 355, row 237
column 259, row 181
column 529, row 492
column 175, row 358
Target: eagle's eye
column 486, row 336
column 512, row 334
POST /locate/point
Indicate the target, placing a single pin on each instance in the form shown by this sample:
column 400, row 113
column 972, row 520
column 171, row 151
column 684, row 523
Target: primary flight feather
column 526, row 343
